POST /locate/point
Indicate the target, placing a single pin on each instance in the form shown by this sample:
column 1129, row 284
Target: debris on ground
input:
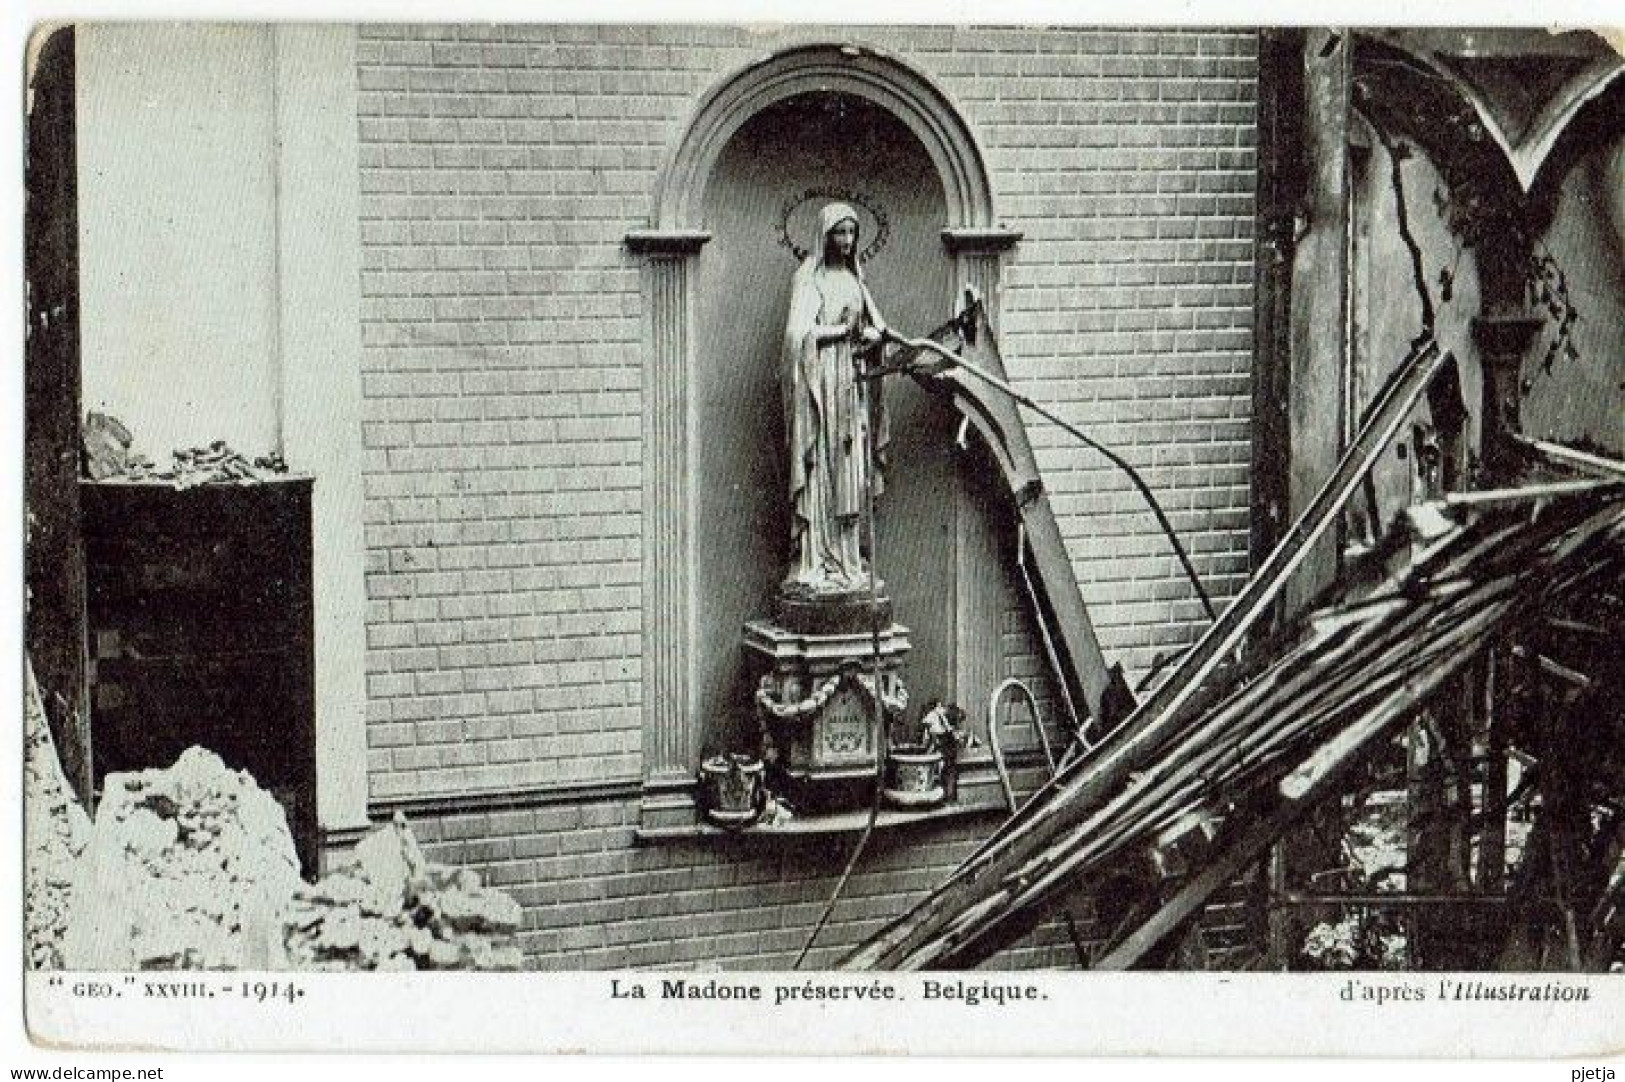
column 1374, row 861
column 194, row 867
column 109, row 455
column 187, row 868
column 55, row 831
column 106, row 445
column 213, row 465
column 1376, row 844
column 1359, row 940
column 393, row 910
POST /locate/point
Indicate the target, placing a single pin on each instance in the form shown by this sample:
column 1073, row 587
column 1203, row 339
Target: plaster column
column 1503, row 340
column 979, row 262
column 318, row 270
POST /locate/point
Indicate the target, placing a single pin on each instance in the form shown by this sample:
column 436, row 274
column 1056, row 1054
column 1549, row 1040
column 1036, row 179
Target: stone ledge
column 666, row 242
column 477, row 801
column 850, row 822
column 987, row 239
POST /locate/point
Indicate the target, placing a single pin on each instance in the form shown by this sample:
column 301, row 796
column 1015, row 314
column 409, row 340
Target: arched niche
column 841, row 69
column 671, row 244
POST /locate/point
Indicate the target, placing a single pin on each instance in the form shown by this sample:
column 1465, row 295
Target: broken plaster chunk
column 340, row 930
column 146, row 833
column 340, row 889
column 389, row 861
column 482, row 911
column 55, row 832
column 106, row 446
column 1429, row 521
column 506, row 959
column 444, row 955
column 390, row 908
column 142, row 901
column 419, row 941
column 379, row 940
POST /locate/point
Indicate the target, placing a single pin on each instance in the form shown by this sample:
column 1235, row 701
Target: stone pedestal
column 815, row 700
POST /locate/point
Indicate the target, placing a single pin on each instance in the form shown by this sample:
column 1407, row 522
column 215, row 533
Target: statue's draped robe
column 835, row 423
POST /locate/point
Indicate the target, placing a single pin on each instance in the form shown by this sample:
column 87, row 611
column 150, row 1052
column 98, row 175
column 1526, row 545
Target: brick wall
column 501, row 168
column 593, row 900
column 1128, row 164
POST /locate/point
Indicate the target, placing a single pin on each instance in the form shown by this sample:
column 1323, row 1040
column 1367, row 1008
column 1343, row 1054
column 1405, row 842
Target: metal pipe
column 1574, row 458
column 953, row 359
column 998, row 765
column 1032, row 701
column 1008, row 684
column 1484, row 497
column 993, row 734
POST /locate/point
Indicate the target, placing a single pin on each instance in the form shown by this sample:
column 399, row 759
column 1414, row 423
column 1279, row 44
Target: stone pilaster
column 671, row 738
column 318, row 267
column 978, row 261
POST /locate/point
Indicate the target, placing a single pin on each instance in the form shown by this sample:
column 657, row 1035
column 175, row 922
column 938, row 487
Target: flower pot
column 731, row 789
column 914, row 777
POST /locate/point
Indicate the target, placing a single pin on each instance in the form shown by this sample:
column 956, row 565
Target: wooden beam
column 1318, row 358
column 1318, row 310
column 1185, row 903
column 1594, row 465
column 55, row 565
column 995, row 416
column 1280, row 193
column 1299, row 792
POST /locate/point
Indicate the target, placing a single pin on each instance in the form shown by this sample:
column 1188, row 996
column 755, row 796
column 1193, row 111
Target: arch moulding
column 675, row 235
column 844, row 69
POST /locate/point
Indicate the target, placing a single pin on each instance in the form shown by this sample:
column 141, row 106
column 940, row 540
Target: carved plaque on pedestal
column 817, row 709
column 844, row 731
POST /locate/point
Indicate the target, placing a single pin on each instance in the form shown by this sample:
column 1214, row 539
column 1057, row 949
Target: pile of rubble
column 194, row 867
column 393, row 910
column 109, row 456
column 55, row 831
column 187, row 868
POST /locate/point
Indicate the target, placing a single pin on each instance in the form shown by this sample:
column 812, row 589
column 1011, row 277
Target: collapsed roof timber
column 1259, row 743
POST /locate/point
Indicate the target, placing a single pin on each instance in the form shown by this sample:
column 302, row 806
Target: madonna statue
column 835, row 422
